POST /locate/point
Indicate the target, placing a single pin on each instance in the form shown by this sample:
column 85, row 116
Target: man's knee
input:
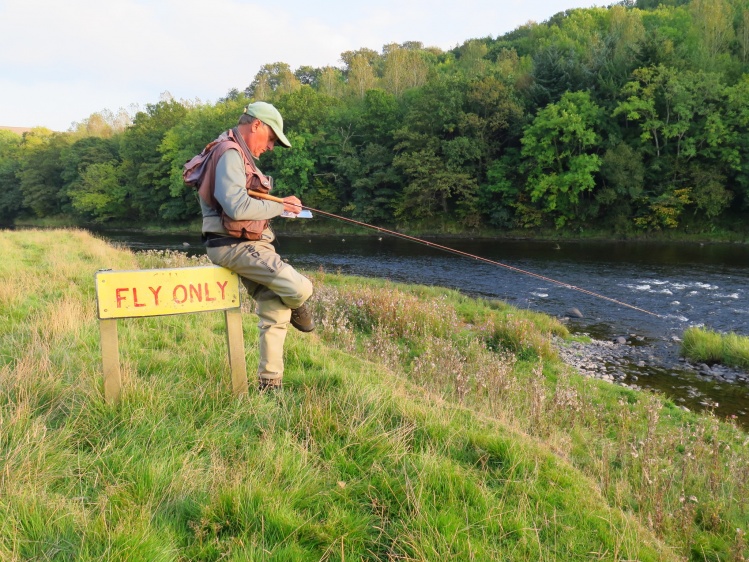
column 302, row 291
column 306, row 291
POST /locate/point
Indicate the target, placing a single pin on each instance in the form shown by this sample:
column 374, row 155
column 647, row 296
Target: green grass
column 708, row 346
column 415, row 424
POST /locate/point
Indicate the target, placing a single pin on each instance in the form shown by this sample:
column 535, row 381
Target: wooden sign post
column 160, row 292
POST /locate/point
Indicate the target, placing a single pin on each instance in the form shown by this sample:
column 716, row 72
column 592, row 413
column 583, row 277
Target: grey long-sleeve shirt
column 231, row 194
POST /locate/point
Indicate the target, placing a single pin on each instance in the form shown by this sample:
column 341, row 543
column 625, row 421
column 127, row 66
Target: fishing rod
column 260, row 195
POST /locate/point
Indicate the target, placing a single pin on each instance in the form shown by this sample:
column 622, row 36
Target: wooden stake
column 110, row 355
column 235, row 341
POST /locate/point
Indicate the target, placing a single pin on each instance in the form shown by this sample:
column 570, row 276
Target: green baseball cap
column 271, row 117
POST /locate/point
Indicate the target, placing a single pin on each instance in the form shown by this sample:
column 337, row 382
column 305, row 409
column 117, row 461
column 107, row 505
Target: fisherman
column 237, row 233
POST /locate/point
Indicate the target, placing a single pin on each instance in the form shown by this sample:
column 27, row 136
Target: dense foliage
column 631, row 117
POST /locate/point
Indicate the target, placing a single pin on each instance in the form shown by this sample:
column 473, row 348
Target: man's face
column 262, row 138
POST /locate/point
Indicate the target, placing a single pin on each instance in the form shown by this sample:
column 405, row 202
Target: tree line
column 626, row 118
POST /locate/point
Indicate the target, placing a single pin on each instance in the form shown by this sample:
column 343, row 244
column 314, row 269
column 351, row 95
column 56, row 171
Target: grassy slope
column 353, row 460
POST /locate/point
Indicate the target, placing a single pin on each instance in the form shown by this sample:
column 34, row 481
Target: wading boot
column 269, row 385
column 301, row 318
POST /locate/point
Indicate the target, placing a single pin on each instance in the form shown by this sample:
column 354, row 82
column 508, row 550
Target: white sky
column 61, row 61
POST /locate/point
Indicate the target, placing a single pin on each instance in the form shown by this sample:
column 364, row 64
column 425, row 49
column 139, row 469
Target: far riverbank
column 322, row 226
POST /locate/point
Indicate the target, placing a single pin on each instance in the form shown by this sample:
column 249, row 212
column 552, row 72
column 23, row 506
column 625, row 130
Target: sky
column 61, row 61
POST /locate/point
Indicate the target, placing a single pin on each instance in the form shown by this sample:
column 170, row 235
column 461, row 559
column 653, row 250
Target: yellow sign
column 158, row 292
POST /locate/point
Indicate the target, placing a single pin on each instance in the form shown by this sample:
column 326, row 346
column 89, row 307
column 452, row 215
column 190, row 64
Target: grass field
column 414, row 424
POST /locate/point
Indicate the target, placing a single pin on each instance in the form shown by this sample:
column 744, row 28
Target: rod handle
column 267, row 196
column 270, row 197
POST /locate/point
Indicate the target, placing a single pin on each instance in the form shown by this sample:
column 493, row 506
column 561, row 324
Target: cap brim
column 281, row 138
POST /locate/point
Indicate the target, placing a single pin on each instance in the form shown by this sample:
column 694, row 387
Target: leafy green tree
column 713, row 24
column 737, row 117
column 623, row 177
column 361, row 76
column 433, row 156
column 293, row 169
column 668, row 40
column 556, row 70
column 501, row 196
column 403, row 68
column 683, row 127
column 742, row 36
column 306, row 109
column 275, row 78
column 559, row 154
column 491, row 115
column 472, row 60
column 331, row 82
column 307, row 75
column 146, row 175
column 40, row 174
column 77, row 158
column 11, row 198
column 618, row 53
column 376, row 184
column 366, row 181
column 99, row 195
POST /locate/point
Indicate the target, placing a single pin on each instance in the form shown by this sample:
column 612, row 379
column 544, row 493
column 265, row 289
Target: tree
column 743, row 36
column 557, row 70
column 623, row 176
column 367, row 166
column 713, row 22
column 331, row 82
column 737, row 116
column 11, row 198
column 307, row 75
column 99, row 195
column 361, row 76
column 689, row 137
column 395, row 74
column 433, row 156
column 305, row 109
column 40, row 172
column 146, row 175
column 472, row 60
column 559, row 155
column 77, row 158
column 275, row 78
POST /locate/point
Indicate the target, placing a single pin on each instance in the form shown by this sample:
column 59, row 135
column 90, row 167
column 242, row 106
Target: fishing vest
column 200, row 172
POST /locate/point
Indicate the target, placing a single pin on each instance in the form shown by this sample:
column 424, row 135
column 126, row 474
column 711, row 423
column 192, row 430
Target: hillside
column 387, row 442
column 628, row 120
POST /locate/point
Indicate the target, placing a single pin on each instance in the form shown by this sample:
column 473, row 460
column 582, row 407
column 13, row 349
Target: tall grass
column 708, row 346
column 685, row 476
column 415, row 424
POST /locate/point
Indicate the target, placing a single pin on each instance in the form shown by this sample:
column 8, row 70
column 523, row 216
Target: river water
column 685, row 284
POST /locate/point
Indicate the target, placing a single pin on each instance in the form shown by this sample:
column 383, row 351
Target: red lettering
column 135, row 298
column 155, row 294
column 222, row 288
column 208, row 297
column 184, row 294
column 120, row 297
column 197, row 292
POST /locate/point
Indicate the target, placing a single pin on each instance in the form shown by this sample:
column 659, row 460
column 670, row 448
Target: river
column 685, row 284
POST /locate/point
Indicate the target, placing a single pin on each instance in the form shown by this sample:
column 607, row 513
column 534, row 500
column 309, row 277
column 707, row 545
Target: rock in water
column 573, row 313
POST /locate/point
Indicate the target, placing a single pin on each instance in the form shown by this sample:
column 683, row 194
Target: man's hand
column 292, row 204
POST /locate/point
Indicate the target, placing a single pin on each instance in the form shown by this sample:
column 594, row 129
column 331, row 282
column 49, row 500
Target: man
column 237, row 234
